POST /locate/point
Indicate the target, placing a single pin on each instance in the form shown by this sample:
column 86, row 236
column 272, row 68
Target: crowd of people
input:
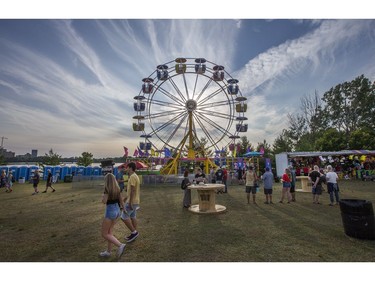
column 252, row 180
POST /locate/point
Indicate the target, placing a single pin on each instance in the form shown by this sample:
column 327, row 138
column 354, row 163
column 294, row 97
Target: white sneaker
column 120, row 250
column 105, row 254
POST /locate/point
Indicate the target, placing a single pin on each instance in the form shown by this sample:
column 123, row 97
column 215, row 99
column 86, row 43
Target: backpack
column 183, row 184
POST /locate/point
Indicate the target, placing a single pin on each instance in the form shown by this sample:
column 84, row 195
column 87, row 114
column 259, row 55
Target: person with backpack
column 187, row 192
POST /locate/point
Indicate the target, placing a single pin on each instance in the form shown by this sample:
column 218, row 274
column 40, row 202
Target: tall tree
column 51, row 159
column 362, row 139
column 86, row 159
column 244, row 145
column 282, row 143
column 331, row 140
column 351, row 105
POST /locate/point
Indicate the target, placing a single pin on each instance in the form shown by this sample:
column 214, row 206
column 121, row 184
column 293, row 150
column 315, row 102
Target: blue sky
column 69, row 84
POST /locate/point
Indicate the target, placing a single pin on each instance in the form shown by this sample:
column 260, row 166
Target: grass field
column 65, row 227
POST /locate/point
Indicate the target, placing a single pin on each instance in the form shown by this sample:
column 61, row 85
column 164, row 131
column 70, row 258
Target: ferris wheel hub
column 191, row 105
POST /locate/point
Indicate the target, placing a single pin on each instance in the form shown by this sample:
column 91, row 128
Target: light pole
column 2, row 141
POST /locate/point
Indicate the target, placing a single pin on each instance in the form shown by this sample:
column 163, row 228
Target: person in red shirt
column 286, row 179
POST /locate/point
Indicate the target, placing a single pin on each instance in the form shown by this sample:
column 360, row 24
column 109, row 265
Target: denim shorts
column 127, row 213
column 112, row 211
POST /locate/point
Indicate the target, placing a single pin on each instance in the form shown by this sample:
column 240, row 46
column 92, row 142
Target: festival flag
column 234, row 153
column 140, row 152
column 125, row 152
column 261, row 150
column 167, row 152
column 135, row 153
column 152, row 152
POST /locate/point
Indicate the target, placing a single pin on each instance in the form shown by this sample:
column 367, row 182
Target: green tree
column 305, row 143
column 351, row 105
column 308, row 124
column 244, row 145
column 85, row 160
column 331, row 140
column 283, row 143
column 51, row 159
column 362, row 139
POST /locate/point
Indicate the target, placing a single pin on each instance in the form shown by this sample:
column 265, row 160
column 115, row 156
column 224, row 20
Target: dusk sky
column 69, row 84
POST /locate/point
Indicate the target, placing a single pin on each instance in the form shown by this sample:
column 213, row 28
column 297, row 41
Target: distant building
column 34, row 153
column 6, row 154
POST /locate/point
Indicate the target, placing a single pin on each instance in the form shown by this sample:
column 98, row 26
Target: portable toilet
column 73, row 170
column 22, row 174
column 88, row 171
column 96, row 171
column 65, row 171
column 56, row 173
column 80, row 170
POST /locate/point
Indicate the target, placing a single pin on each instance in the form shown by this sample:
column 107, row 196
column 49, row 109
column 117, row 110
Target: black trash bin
column 358, row 218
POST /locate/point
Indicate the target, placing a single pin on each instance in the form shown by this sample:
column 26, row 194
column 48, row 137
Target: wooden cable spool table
column 207, row 199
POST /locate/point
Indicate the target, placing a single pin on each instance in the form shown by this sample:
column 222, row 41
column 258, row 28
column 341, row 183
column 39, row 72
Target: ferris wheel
column 188, row 100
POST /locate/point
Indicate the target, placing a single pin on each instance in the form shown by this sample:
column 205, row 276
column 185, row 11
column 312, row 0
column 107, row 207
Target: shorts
column 112, row 211
column 286, row 184
column 317, row 190
column 129, row 214
column 252, row 189
column 267, row 191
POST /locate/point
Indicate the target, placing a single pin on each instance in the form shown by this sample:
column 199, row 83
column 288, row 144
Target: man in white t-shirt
column 333, row 188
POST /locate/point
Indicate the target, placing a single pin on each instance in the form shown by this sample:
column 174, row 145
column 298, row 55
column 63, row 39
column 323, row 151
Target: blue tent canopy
column 252, row 154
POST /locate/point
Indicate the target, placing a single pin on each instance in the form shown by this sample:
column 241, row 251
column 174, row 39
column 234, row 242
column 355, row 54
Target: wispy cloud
column 86, row 103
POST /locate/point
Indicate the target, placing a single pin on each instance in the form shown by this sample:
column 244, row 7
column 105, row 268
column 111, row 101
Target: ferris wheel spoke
column 216, row 114
column 164, row 113
column 181, row 101
column 195, row 85
column 205, row 131
column 210, row 96
column 186, row 87
column 213, row 124
column 217, row 103
column 176, row 129
column 204, row 89
column 166, row 104
column 177, row 90
column 169, row 122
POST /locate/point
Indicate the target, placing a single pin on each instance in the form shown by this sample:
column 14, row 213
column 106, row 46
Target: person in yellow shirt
column 132, row 201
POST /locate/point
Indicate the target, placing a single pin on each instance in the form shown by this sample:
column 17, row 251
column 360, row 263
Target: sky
column 68, row 82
